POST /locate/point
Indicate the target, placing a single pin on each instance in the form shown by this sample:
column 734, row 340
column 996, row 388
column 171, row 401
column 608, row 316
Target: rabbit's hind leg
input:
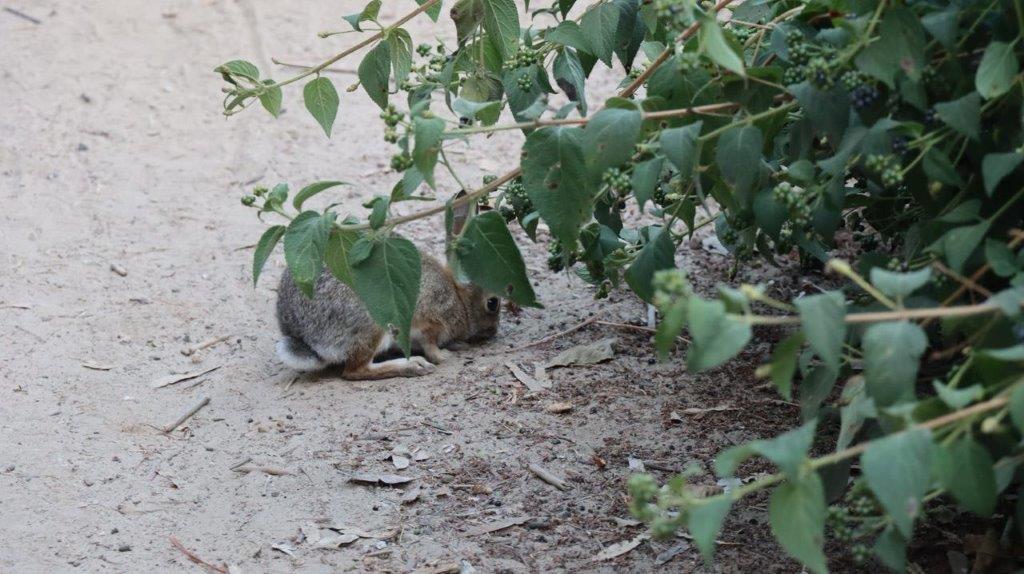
column 411, row 367
column 360, row 366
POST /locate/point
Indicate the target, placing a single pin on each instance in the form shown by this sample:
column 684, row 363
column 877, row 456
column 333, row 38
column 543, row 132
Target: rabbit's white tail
column 297, row 355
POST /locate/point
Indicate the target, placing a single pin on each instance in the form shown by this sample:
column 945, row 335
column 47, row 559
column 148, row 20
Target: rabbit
column 334, row 326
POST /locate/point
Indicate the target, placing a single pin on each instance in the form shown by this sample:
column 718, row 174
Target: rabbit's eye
column 492, row 305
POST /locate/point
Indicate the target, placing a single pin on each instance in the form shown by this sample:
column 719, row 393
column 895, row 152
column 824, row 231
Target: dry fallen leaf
column 582, row 355
column 620, row 548
column 335, row 540
column 560, row 407
column 532, row 384
column 411, row 494
column 388, row 479
column 400, row 462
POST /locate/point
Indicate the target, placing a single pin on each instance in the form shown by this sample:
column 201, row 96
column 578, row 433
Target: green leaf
column 388, row 283
column 704, row 520
column 717, row 337
column 657, row 254
column 240, row 68
column 429, row 132
column 609, row 139
column 714, row 44
column 958, row 398
column 571, row 78
column 486, row 112
column 555, row 177
column 646, row 177
column 938, row 167
column 783, row 365
column 311, row 190
column 672, row 322
column 996, row 166
column 434, row 11
column 400, row 46
column 304, row 244
column 824, row 321
column 680, row 147
column 1005, row 355
column 963, row 213
column 264, row 248
column 568, row 33
column 892, row 352
column 896, row 284
column 501, row 22
column 942, row 25
column 1001, row 258
column 897, row 468
column 374, row 71
column 271, row 99
column 369, row 12
column 788, row 451
column 797, row 515
column 964, row 468
column 738, row 155
column 958, row 244
column 599, row 25
column 489, row 256
column 997, row 69
column 336, row 255
column 891, row 549
column 900, row 47
column 322, row 102
column 1017, row 406
column 467, row 15
column 963, row 115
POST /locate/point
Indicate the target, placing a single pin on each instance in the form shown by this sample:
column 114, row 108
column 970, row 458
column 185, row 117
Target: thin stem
column 539, row 123
column 857, row 450
column 516, row 172
column 881, row 316
column 747, row 120
column 843, row 268
column 451, row 170
column 662, row 57
column 370, row 40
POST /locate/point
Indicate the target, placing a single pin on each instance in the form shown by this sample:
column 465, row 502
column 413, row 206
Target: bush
column 888, row 131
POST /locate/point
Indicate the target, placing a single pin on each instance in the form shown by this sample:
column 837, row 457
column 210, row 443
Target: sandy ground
column 113, row 153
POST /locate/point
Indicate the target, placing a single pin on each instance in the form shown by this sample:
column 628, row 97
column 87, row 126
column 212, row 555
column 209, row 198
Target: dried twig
column 543, row 474
column 964, row 281
column 436, row 427
column 188, row 414
column 629, row 327
column 557, row 335
column 196, row 559
column 23, row 15
column 188, row 351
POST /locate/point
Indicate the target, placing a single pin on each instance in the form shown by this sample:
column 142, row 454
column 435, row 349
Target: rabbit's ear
column 458, row 215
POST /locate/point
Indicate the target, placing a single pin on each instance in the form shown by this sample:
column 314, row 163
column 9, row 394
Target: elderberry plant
column 891, row 129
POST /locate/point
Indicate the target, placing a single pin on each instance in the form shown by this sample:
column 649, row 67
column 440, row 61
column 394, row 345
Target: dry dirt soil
column 123, row 244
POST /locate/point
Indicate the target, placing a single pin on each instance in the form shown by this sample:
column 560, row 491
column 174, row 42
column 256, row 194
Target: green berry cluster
column 516, row 202
column 673, row 14
column 618, row 182
column 525, row 82
column 669, row 285
column 556, row 256
column 819, row 72
column 742, row 33
column 391, row 117
column 860, row 554
column 797, row 47
column 796, row 200
column 423, row 50
column 401, row 161
column 524, row 58
column 250, row 200
column 887, row 167
column 687, row 61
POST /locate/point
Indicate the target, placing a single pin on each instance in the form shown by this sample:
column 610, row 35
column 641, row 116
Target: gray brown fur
column 334, row 327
